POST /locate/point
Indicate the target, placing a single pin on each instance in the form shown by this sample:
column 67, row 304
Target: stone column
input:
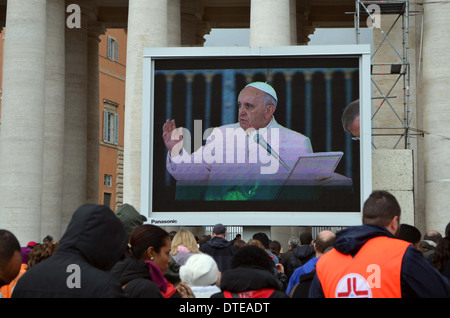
column 189, row 23
column 22, row 128
column 147, row 27
column 75, row 139
column 93, row 120
column 174, row 23
column 436, row 113
column 270, row 23
column 52, row 183
column 293, row 21
column 304, row 27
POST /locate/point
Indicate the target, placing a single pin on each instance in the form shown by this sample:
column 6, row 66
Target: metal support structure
column 373, row 11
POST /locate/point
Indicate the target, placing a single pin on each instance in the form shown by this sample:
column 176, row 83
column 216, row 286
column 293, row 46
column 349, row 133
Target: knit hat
column 266, row 88
column 199, row 270
column 31, row 244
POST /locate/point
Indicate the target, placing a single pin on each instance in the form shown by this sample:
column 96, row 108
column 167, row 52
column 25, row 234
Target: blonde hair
column 257, row 243
column 186, row 239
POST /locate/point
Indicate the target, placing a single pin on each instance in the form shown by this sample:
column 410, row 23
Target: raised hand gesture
column 173, row 137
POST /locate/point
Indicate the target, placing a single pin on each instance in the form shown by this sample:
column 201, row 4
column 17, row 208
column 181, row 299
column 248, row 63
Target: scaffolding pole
column 373, row 10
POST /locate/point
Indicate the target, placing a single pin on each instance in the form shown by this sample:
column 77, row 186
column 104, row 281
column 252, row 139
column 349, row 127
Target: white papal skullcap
column 265, row 88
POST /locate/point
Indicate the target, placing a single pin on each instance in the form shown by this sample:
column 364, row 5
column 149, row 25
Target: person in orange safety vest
column 368, row 261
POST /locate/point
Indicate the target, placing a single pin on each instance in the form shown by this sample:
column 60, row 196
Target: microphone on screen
column 260, row 141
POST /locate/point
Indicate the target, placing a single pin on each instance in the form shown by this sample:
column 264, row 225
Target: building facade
column 112, row 68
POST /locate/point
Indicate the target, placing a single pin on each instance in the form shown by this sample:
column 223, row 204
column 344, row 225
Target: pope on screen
column 256, row 150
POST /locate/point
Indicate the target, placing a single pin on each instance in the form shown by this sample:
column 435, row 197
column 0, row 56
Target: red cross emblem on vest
column 353, row 286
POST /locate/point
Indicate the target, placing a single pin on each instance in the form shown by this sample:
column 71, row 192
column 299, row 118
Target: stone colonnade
column 50, row 128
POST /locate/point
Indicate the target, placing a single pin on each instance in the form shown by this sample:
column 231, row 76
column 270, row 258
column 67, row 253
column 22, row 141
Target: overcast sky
column 241, row 37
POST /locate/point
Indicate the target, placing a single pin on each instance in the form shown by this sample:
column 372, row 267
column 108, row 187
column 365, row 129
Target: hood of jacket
column 129, row 217
column 246, row 278
column 97, row 234
column 350, row 240
column 218, row 242
column 304, row 252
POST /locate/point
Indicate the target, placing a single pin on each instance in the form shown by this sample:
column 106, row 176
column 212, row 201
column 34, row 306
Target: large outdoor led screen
column 216, row 149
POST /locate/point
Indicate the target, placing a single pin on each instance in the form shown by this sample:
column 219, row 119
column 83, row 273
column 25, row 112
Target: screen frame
column 255, row 218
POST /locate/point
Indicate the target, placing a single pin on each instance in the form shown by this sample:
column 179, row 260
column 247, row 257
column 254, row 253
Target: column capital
column 193, row 7
column 203, row 28
column 304, row 26
column 95, row 29
column 193, row 28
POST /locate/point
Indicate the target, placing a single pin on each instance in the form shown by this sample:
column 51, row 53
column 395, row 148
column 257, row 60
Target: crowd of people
column 105, row 254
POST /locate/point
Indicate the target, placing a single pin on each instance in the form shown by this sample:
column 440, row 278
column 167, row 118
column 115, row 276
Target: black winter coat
column 299, row 257
column 221, row 250
column 134, row 276
column 93, row 242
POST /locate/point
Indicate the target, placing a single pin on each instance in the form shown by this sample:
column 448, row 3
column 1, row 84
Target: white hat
column 266, row 88
column 199, row 270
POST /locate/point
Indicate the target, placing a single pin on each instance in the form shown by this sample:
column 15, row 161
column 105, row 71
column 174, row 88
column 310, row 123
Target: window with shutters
column 113, row 49
column 110, row 123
